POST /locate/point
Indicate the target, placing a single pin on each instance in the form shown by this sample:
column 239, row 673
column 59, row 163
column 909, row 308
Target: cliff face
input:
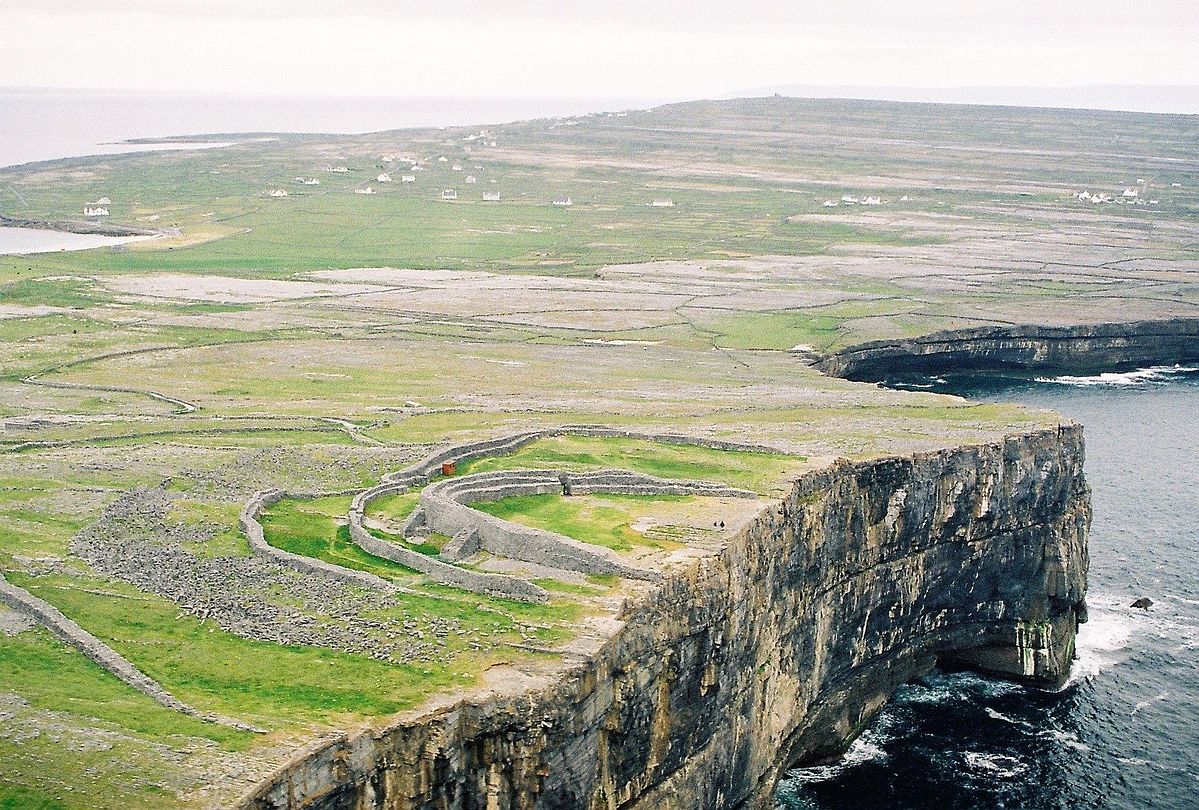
column 776, row 649
column 1045, row 348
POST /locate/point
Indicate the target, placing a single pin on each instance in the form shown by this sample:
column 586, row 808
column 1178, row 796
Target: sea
column 1123, row 734
column 47, row 123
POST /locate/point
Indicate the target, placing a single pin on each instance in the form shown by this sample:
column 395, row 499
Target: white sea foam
column 1015, row 721
column 1116, row 379
column 866, row 748
column 1099, row 643
column 1066, row 738
column 957, row 686
column 995, row 765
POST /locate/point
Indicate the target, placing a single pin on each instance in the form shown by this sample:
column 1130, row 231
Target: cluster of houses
column 449, row 194
column 481, row 137
column 98, row 208
column 1130, row 196
column 849, row 199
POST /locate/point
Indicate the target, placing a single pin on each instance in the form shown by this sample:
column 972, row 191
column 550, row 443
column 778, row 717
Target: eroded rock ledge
column 777, row 648
column 77, row 226
column 1044, row 348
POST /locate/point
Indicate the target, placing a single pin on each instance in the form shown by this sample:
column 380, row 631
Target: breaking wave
column 1141, row 376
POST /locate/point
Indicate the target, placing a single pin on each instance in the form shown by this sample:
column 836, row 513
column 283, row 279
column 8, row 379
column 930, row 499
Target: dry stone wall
column 253, row 531
column 445, row 508
column 490, row 584
column 100, row 653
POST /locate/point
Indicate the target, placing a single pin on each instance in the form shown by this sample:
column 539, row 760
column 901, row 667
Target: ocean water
column 44, row 124
column 1124, row 732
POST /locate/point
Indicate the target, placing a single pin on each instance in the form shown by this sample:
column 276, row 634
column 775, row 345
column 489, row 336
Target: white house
column 387, row 158
column 384, row 178
column 848, row 199
column 310, row 181
column 662, row 202
column 457, row 167
column 442, row 159
column 872, row 201
column 367, row 190
column 471, row 179
column 491, row 196
column 830, row 203
column 278, row 192
column 1085, row 196
column 449, row 194
column 905, row 198
column 1131, row 193
column 94, row 211
column 407, row 178
column 103, row 201
column 337, row 169
column 563, row 202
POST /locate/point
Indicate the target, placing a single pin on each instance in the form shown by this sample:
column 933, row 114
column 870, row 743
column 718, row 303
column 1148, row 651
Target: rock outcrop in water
column 778, row 648
column 1044, row 348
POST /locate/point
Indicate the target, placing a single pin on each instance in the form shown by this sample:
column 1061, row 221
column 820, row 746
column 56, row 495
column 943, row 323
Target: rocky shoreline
column 1084, row 348
column 79, row 226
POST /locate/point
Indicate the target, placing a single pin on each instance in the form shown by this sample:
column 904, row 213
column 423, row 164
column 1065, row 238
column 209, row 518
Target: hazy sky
column 628, row 48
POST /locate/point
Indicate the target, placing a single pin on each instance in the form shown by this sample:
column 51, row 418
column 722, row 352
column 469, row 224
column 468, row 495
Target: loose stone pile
column 250, row 596
column 295, row 469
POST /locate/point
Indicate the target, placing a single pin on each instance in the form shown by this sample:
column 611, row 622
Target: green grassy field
column 603, row 521
column 761, row 472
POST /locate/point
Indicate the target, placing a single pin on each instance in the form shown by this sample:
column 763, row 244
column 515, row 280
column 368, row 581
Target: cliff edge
column 1082, row 348
column 776, row 649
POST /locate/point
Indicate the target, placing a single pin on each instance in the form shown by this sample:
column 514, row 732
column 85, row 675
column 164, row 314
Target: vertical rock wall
column 780, row 647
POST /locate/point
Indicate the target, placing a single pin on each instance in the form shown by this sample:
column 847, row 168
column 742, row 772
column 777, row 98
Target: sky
column 591, row 48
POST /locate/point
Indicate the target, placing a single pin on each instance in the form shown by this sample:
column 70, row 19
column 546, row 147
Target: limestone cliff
column 779, row 647
column 1044, row 348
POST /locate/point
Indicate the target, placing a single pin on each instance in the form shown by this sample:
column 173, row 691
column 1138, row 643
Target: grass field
column 761, row 472
column 603, row 521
